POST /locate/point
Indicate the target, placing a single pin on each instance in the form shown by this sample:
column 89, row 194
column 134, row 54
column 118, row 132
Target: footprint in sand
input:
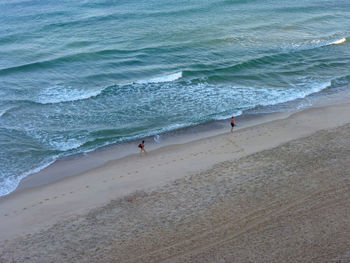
column 136, row 172
column 40, row 202
column 47, row 199
column 24, row 208
column 55, row 197
column 87, row 186
column 71, row 192
column 5, row 214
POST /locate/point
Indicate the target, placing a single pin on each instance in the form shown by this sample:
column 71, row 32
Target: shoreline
column 82, row 162
column 258, row 188
column 121, row 177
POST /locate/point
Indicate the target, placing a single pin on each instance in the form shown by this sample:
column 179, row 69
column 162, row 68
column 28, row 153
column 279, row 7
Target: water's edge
column 83, row 162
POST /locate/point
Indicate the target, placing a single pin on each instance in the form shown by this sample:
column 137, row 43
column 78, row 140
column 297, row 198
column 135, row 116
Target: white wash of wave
column 161, row 79
column 10, row 184
column 316, row 43
column 58, row 94
column 66, row 145
column 56, row 142
column 253, row 97
column 286, row 95
column 339, row 41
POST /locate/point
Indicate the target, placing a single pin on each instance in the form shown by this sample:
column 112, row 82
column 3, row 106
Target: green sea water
column 79, row 75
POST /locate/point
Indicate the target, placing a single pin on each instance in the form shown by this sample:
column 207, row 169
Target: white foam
column 225, row 117
column 156, row 138
column 254, row 97
column 314, row 44
column 66, row 145
column 57, row 94
column 166, row 78
column 339, row 41
column 10, row 184
column 286, row 95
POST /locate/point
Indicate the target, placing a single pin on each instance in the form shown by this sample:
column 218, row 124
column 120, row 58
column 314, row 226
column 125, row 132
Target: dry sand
column 276, row 192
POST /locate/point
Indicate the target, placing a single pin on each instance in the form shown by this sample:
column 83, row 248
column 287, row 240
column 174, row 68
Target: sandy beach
column 273, row 192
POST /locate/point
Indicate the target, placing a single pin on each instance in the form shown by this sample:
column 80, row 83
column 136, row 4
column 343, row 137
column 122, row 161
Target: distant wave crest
column 314, row 44
column 165, row 78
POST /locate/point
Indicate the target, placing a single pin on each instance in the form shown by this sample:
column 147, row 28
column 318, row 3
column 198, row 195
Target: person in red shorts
column 142, row 148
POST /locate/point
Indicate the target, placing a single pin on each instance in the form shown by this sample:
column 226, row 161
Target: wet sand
column 275, row 192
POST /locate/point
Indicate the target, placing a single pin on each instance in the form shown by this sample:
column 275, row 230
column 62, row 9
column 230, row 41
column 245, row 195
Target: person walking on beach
column 142, row 148
column 232, row 123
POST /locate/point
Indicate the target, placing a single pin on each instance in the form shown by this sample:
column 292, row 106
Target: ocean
column 79, row 75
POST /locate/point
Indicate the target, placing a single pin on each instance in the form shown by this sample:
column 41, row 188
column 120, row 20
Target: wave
column 74, row 57
column 4, row 111
column 9, row 184
column 277, row 96
column 161, row 79
column 59, row 94
column 289, row 54
column 299, row 94
column 318, row 43
column 7, row 109
column 339, row 41
column 66, row 145
column 134, row 55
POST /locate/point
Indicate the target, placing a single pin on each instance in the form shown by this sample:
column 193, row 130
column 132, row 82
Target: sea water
column 79, row 75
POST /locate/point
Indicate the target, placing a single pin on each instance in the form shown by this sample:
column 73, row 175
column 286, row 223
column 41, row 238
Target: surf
column 339, row 41
column 162, row 79
column 60, row 94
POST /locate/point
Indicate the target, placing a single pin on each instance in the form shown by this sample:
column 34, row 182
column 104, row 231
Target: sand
column 275, row 192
